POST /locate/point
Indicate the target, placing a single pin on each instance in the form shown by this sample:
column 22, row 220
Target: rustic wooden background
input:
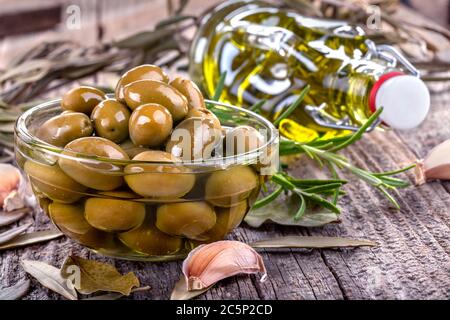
column 411, row 260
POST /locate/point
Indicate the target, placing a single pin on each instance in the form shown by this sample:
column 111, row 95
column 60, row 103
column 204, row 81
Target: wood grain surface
column 411, row 260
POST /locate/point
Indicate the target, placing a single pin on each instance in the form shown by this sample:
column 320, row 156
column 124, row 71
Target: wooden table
column 411, row 260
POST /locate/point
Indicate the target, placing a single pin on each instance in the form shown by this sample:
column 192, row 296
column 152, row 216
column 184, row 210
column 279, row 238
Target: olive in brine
column 147, row 239
column 150, row 91
column 194, row 139
column 70, row 220
column 53, row 182
column 243, row 139
column 150, row 125
column 61, row 129
column 227, row 220
column 131, row 149
column 204, row 113
column 110, row 118
column 142, row 72
column 91, row 173
column 159, row 180
column 226, row 188
column 187, row 219
column 82, row 99
column 114, row 215
column 190, row 90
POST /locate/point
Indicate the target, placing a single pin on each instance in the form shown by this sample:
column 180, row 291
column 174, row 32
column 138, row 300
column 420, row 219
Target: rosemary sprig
column 325, row 154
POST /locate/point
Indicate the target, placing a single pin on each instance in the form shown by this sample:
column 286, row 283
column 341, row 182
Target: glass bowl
column 170, row 208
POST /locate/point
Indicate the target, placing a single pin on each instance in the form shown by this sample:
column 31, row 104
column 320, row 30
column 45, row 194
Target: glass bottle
column 272, row 54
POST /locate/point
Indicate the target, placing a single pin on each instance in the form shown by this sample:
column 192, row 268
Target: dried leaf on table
column 16, row 291
column 283, row 210
column 98, row 276
column 31, row 238
column 180, row 291
column 311, row 242
column 115, row 295
column 50, row 277
column 13, row 233
column 7, row 218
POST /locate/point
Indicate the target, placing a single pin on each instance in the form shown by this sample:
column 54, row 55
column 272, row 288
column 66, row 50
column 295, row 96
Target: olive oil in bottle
column 271, row 53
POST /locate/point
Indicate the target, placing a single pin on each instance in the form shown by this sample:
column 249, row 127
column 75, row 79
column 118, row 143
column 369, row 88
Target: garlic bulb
column 15, row 191
column 436, row 165
column 210, row 263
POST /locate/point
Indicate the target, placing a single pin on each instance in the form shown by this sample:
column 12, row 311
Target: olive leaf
column 282, row 211
column 98, row 276
column 50, row 277
column 145, row 39
column 31, row 238
column 115, row 295
column 16, row 291
column 12, row 233
column 7, row 218
column 180, row 291
column 311, row 242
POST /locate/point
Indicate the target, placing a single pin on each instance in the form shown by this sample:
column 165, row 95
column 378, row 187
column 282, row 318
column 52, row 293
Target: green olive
column 159, row 180
column 204, row 113
column 147, row 239
column 243, row 139
column 82, row 99
column 131, row 149
column 150, row 91
column 225, row 188
column 70, row 220
column 91, row 173
column 61, row 129
column 194, row 139
column 110, row 118
column 114, row 215
column 190, row 90
column 227, row 220
column 142, row 72
column 53, row 182
column 188, row 219
column 150, row 125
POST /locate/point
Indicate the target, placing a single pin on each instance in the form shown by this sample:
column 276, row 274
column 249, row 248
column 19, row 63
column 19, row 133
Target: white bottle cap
column 405, row 100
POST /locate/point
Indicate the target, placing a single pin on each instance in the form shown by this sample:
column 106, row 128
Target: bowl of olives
column 146, row 173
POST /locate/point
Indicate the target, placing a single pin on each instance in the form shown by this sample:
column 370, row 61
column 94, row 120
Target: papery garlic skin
column 210, row 263
column 436, row 165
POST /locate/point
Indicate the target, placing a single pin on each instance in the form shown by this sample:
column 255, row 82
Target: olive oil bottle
column 272, row 54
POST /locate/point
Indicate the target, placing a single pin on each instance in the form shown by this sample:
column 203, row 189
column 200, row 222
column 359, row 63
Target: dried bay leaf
column 180, row 291
column 283, row 210
column 13, row 233
column 311, row 242
column 98, row 276
column 31, row 238
column 114, row 295
column 50, row 277
column 16, row 291
column 7, row 218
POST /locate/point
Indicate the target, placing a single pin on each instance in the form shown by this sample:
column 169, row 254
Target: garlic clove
column 436, row 165
column 9, row 182
column 210, row 263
